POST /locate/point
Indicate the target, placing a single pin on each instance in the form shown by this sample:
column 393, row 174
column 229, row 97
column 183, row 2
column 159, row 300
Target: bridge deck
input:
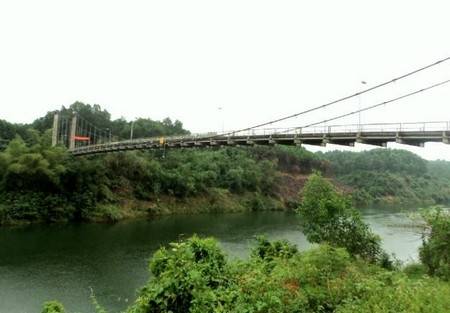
column 378, row 138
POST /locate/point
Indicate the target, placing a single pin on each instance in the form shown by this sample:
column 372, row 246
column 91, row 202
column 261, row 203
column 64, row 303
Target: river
column 64, row 262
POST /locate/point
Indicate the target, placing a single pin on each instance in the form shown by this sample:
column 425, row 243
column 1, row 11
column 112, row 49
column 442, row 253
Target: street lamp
column 221, row 115
column 107, row 135
column 131, row 133
column 359, row 108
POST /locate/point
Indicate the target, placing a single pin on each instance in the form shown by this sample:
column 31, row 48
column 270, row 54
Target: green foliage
column 391, row 292
column 9, row 131
column 435, row 250
column 257, row 290
column 186, row 278
column 414, row 270
column 328, row 216
column 147, row 128
column 43, row 183
column 109, row 212
column 439, row 168
column 382, row 160
column 292, row 159
column 34, row 206
column 194, row 275
column 391, row 176
column 268, row 250
column 37, row 167
column 53, row 307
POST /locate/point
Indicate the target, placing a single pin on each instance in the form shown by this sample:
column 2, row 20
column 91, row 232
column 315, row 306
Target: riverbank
column 213, row 200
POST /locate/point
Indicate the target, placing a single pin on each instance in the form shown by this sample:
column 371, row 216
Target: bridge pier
column 445, row 138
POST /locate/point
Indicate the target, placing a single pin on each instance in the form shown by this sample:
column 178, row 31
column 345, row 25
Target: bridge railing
column 349, row 128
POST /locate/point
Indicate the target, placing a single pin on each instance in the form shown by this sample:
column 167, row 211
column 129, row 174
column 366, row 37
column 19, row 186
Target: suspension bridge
column 83, row 138
column 416, row 134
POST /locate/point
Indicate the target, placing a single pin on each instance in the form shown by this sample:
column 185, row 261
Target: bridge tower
column 64, row 130
column 73, row 131
column 55, row 130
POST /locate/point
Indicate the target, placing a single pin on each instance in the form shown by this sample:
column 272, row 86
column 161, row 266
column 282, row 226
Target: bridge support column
column 73, row 131
column 55, row 130
column 445, row 138
column 325, row 140
column 398, row 138
column 359, row 138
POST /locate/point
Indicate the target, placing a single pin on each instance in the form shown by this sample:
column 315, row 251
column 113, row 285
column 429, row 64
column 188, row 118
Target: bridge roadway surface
column 415, row 134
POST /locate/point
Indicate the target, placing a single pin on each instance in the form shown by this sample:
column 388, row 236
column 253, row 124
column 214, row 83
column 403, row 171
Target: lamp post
column 359, row 108
column 221, row 117
column 108, row 137
column 131, row 132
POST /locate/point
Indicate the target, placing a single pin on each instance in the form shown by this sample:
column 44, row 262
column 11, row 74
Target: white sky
column 256, row 60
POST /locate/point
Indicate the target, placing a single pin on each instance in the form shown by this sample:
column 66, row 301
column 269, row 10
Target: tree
column 435, row 250
column 35, row 166
column 329, row 217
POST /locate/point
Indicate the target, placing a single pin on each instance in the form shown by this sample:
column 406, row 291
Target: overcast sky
column 229, row 65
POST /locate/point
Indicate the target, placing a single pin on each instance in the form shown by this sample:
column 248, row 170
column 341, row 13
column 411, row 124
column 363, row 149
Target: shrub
column 53, row 307
column 186, row 278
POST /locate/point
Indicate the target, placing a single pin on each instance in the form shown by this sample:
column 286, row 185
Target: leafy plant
column 53, row 307
column 186, row 278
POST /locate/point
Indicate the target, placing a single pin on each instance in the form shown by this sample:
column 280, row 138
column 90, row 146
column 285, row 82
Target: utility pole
column 222, row 119
column 131, row 133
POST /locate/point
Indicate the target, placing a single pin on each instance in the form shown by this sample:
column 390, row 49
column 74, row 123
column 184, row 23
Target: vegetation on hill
column 39, row 182
column 43, row 183
column 391, row 176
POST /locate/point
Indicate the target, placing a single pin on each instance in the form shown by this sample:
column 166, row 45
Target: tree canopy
column 328, row 216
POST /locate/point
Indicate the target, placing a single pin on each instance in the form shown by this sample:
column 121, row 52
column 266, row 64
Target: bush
column 267, row 250
column 415, row 270
column 186, row 278
column 53, row 307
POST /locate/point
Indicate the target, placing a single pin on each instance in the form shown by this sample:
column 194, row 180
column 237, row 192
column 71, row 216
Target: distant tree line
column 383, row 176
column 95, row 115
